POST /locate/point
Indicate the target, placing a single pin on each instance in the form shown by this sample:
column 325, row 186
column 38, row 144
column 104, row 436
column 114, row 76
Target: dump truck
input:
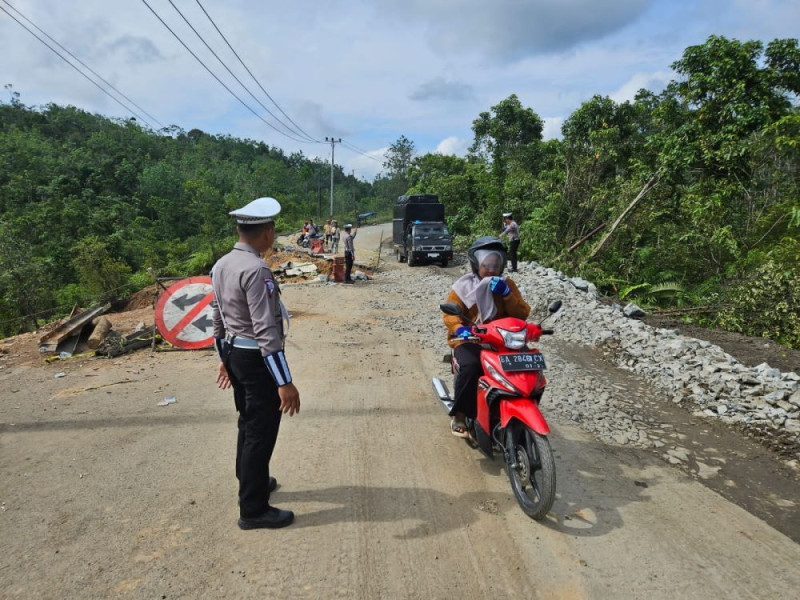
column 419, row 234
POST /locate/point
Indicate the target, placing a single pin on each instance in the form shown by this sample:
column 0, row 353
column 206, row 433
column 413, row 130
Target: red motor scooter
column 509, row 420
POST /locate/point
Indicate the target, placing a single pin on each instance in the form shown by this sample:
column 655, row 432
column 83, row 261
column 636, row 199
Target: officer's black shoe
column 274, row 518
column 349, row 281
column 273, row 483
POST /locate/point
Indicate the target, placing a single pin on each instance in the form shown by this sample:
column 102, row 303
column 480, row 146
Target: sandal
column 456, row 425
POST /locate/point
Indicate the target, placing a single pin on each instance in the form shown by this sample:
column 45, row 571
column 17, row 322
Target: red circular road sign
column 183, row 313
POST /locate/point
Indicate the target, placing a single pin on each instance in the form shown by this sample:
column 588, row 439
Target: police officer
column 249, row 334
column 512, row 231
column 349, row 251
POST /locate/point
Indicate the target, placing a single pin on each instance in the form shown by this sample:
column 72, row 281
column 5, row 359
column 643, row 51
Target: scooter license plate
column 523, row 361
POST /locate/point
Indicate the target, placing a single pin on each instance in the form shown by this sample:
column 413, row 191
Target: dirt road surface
column 105, row 494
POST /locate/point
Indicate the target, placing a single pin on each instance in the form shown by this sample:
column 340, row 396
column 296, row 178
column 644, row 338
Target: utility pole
column 333, row 142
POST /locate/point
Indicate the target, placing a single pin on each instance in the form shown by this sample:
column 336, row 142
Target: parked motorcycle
column 509, row 420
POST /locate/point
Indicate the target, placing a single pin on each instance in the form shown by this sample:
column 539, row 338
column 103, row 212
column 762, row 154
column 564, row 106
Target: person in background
column 335, row 234
column 349, row 251
column 483, row 296
column 512, row 231
column 326, row 230
column 248, row 318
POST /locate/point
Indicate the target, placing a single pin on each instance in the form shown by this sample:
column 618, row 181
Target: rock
column 679, row 453
column 580, row 284
column 633, row 312
column 706, row 471
column 775, row 397
column 621, row 438
column 767, row 372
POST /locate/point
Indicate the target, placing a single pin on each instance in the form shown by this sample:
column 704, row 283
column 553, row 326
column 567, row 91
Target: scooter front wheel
column 531, row 469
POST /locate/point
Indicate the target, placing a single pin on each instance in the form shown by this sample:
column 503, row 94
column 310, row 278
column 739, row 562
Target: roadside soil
column 103, row 493
column 750, row 351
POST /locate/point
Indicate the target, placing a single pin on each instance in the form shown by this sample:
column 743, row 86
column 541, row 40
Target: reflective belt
column 238, row 341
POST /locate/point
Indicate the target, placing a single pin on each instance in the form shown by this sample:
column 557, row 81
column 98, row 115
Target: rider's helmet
column 486, row 243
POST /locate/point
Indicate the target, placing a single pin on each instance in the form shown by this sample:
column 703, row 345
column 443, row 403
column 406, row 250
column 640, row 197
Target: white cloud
column 655, row 82
column 456, row 57
column 453, row 146
column 552, row 128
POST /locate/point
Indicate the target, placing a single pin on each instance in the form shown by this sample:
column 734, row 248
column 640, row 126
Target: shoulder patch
column 270, row 283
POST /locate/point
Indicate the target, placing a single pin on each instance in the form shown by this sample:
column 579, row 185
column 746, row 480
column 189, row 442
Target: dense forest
column 684, row 199
column 91, row 208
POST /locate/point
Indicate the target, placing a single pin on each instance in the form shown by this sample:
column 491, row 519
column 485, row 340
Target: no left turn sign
column 183, row 313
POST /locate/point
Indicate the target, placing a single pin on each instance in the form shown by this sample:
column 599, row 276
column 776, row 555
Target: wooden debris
column 101, row 329
column 50, row 341
column 114, row 344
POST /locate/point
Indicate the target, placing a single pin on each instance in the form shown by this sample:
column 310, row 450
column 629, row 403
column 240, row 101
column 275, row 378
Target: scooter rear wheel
column 531, row 469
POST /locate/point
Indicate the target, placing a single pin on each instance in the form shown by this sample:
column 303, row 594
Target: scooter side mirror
column 553, row 308
column 451, row 308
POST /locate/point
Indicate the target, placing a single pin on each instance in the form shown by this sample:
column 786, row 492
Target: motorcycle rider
column 484, row 295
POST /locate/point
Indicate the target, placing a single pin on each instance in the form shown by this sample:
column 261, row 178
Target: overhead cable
column 62, row 57
column 232, row 74
column 92, row 71
column 357, row 150
column 298, row 128
column 222, row 83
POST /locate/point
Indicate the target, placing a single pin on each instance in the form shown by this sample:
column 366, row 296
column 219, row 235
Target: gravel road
column 105, row 494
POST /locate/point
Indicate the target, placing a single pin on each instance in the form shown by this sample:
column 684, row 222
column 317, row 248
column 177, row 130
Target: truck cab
column 418, row 230
column 428, row 241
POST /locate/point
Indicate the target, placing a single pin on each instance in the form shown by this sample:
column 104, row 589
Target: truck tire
column 444, row 263
column 411, row 260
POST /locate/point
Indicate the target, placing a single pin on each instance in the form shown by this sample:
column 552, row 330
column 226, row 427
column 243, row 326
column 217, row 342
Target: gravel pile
column 690, row 372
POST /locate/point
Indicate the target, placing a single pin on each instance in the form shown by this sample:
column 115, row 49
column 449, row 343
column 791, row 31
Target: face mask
column 490, row 259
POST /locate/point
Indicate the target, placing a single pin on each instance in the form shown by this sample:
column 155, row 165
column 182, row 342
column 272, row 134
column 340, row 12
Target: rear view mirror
column 554, row 306
column 451, row 308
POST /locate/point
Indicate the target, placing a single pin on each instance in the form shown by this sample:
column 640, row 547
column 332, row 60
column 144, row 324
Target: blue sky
column 368, row 71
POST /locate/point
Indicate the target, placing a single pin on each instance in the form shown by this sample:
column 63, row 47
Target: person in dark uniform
column 249, row 334
column 512, row 231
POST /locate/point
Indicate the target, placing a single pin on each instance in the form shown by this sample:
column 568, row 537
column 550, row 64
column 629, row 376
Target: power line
column 222, row 83
column 62, row 57
column 299, row 129
column 92, row 71
column 232, row 74
column 352, row 148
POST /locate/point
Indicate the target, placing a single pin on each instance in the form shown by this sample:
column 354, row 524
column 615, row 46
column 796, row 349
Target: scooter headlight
column 514, row 340
column 495, row 374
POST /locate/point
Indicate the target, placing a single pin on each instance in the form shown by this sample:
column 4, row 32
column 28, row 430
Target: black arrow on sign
column 185, row 301
column 203, row 323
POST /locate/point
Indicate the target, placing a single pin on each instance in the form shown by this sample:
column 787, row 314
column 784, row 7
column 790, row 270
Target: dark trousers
column 468, row 357
column 512, row 253
column 256, row 396
column 348, row 265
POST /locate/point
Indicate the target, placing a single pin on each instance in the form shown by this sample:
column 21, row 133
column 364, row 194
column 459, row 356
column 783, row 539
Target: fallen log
column 101, row 329
column 586, row 238
column 651, row 183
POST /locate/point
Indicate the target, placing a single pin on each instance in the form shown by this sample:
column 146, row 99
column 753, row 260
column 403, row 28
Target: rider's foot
column 458, row 427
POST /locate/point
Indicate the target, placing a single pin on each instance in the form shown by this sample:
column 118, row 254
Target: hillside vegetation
column 682, row 199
